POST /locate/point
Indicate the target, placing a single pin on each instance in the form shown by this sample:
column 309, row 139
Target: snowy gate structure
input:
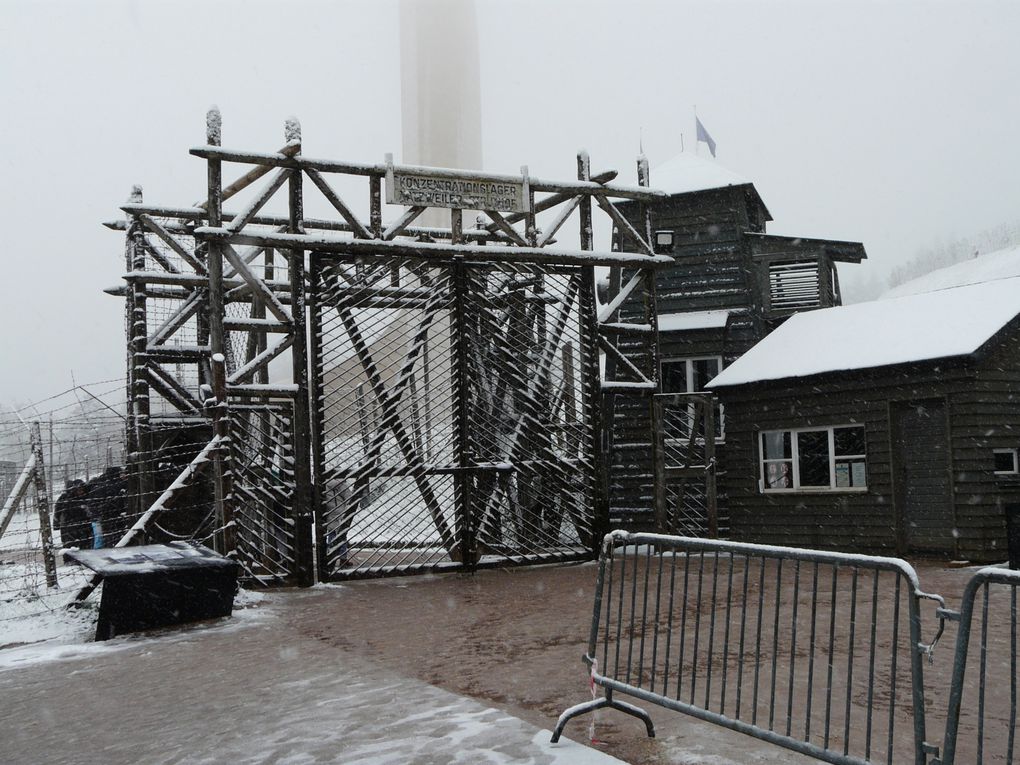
column 442, row 404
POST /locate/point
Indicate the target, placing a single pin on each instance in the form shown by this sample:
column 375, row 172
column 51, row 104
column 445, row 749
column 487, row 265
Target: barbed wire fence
column 62, row 485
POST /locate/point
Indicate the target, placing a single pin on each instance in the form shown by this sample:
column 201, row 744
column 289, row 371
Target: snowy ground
column 246, row 690
column 451, row 668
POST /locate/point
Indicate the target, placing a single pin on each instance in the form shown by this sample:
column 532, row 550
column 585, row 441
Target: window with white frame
column 691, row 375
column 814, row 459
column 1006, row 462
column 664, row 241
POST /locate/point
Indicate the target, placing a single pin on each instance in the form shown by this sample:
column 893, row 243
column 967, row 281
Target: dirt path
column 514, row 638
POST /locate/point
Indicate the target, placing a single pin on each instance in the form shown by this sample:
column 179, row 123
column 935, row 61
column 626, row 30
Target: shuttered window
column 794, row 285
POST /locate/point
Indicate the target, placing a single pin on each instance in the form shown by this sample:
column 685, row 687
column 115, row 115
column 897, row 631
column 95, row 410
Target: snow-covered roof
column 947, row 322
column 1002, row 264
column 672, row 322
column 690, row 172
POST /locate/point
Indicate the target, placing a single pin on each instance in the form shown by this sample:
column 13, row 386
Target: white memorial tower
column 440, row 89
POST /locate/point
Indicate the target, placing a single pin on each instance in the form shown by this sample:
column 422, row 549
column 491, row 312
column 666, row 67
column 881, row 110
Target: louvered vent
column 793, row 286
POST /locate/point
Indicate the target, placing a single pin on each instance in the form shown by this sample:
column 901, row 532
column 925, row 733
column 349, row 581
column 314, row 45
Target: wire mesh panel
column 386, row 416
column 262, row 463
column 176, row 321
column 685, row 474
column 529, row 433
column 452, row 415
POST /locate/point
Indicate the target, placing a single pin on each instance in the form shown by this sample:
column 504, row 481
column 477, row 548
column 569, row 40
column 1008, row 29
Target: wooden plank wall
column 713, row 271
column 983, row 398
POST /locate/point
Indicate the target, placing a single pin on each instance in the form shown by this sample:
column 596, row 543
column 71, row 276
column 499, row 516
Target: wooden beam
column 42, row 506
column 569, row 188
column 251, row 176
column 502, row 224
column 176, row 354
column 438, row 251
column 623, row 224
column 334, row 199
column 160, row 258
column 171, row 241
column 259, row 201
column 561, row 218
column 254, row 325
column 17, row 494
column 244, row 373
column 394, row 229
column 614, row 305
column 619, row 356
column 257, row 285
column 181, row 315
column 174, row 393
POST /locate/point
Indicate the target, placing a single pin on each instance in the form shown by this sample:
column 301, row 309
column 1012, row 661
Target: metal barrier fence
column 815, row 651
column 990, row 734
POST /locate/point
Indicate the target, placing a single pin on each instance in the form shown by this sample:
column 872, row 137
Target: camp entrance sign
column 455, row 190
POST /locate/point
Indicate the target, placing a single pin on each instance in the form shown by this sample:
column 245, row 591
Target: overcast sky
column 894, row 124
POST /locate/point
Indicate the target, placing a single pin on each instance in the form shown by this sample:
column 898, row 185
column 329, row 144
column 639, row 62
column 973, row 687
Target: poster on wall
column 779, row 475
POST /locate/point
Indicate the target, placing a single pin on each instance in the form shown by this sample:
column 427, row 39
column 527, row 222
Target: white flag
column 704, row 136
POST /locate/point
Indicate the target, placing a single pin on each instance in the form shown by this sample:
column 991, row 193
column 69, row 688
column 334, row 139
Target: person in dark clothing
column 71, row 517
column 107, row 507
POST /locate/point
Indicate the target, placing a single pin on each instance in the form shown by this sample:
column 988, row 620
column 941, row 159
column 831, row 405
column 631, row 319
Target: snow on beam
column 483, row 253
column 379, row 171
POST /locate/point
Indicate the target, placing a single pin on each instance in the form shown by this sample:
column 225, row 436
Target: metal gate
column 685, row 488
column 262, row 462
column 454, row 414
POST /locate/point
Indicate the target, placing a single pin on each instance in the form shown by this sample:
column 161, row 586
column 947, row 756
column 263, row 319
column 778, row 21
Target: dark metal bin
column 159, row 585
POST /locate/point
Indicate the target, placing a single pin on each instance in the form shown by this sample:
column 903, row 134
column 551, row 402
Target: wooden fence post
column 42, row 505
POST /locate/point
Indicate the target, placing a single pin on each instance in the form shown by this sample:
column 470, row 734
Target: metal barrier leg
column 591, row 706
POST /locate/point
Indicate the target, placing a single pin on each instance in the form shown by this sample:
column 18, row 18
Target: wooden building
column 891, row 425
column 731, row 284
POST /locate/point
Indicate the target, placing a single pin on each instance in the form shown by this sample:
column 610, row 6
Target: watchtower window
column 663, row 241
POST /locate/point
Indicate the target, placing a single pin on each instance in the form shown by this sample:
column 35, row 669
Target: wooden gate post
column 465, row 549
column 590, row 373
column 304, row 497
column 318, row 423
column 138, row 401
